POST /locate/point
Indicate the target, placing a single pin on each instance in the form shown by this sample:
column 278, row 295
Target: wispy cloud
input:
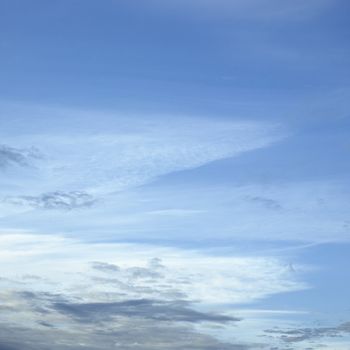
column 54, row 200
column 305, row 334
column 22, row 157
column 122, row 153
column 142, row 271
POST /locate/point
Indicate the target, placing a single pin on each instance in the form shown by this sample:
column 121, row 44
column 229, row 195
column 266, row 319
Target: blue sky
column 174, row 175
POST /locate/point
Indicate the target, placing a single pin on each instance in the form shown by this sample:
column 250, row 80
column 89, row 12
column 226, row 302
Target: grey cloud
column 55, row 200
column 174, row 311
column 302, row 334
column 45, row 324
column 141, row 324
column 10, row 156
column 266, row 202
column 166, row 291
column 40, row 302
column 40, row 296
column 144, row 308
column 151, row 282
column 105, row 267
column 7, row 346
column 155, row 263
column 135, row 272
column 32, row 277
column 151, row 272
column 142, row 272
column 130, row 335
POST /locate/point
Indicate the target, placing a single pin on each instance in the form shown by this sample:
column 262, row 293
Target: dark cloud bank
column 156, row 310
column 131, row 324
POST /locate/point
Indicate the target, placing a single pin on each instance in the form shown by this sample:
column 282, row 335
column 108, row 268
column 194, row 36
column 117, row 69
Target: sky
column 174, row 175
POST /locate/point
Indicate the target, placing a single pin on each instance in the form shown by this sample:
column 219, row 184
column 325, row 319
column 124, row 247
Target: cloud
column 4, row 346
column 193, row 211
column 72, row 292
column 175, row 311
column 105, row 267
column 95, row 312
column 46, row 320
column 145, row 271
column 54, row 200
column 10, row 156
column 133, row 334
column 121, row 153
column 304, row 334
column 266, row 202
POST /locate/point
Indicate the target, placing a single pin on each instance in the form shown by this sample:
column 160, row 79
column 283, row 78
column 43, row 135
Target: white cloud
column 308, row 211
column 65, row 266
column 42, row 276
column 115, row 153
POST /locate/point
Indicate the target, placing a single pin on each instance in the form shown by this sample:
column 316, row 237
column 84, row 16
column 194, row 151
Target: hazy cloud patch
column 267, row 203
column 105, row 267
column 11, row 156
column 55, row 200
column 124, row 152
column 302, row 334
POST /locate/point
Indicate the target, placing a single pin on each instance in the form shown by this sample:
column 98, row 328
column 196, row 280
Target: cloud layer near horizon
column 74, row 293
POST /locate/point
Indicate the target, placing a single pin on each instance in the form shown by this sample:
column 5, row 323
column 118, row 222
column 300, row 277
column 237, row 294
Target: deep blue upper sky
column 201, row 57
